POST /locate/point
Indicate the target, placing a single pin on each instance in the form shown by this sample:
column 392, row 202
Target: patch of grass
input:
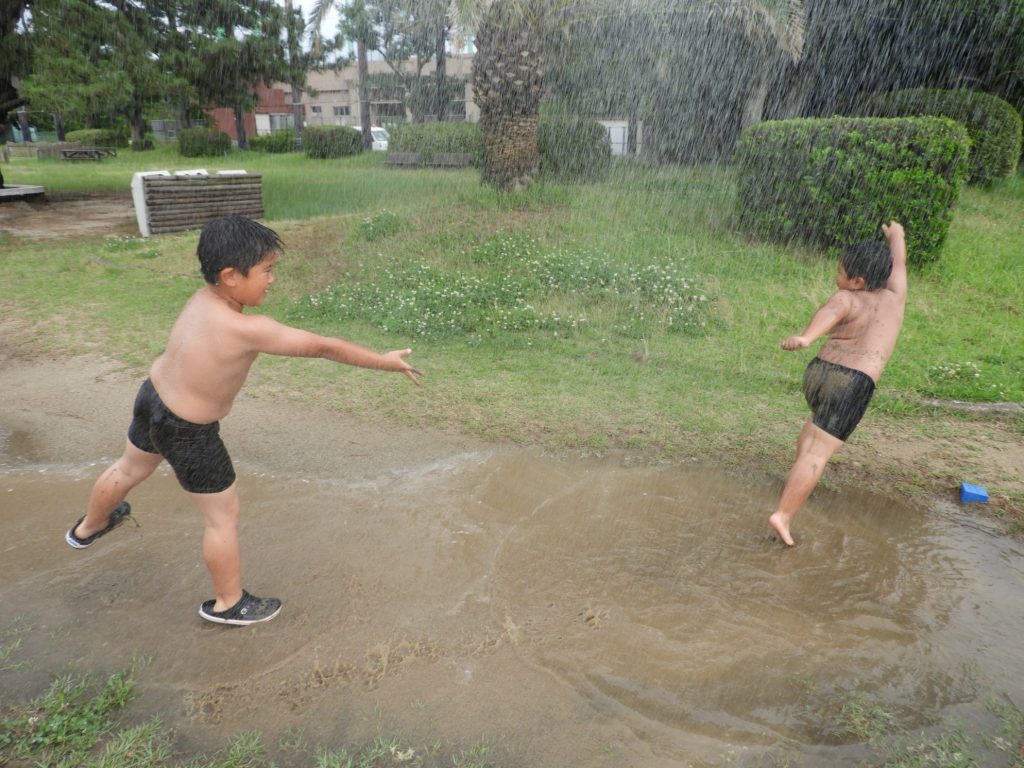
column 1010, row 738
column 67, row 721
column 142, row 746
column 947, row 750
column 513, row 285
column 386, row 752
column 380, row 225
column 73, row 725
column 10, row 644
column 861, row 718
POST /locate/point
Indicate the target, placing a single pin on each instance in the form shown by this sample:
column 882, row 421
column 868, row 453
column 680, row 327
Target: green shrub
column 832, row 182
column 277, row 142
column 993, row 124
column 430, row 139
column 203, row 142
column 327, row 141
column 569, row 148
column 97, row 137
column 573, row 149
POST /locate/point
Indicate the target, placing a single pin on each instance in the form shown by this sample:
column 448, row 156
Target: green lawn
column 627, row 314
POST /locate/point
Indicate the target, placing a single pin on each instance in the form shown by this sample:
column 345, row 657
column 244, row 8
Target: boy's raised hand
column 395, row 362
column 892, row 229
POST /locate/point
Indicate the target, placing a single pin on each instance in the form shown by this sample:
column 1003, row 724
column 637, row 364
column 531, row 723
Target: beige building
column 335, row 101
column 335, row 97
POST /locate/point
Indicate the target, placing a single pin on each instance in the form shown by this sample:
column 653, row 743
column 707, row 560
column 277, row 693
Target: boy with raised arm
column 862, row 319
column 193, row 385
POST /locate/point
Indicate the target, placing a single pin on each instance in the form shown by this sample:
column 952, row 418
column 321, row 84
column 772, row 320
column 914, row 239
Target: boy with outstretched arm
column 193, row 385
column 862, row 319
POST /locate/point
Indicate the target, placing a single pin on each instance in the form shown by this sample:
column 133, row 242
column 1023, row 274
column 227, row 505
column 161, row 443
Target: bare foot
column 780, row 524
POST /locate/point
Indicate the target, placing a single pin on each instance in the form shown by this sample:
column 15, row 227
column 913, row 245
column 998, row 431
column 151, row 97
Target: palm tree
column 508, row 73
column 513, row 39
column 712, row 73
column 778, row 38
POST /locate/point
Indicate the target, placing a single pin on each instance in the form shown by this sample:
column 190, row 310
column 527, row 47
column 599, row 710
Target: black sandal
column 118, row 516
column 248, row 610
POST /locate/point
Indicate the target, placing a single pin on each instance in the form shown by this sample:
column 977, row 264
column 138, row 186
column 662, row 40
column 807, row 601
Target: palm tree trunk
column 440, row 73
column 510, row 151
column 507, row 80
column 753, row 103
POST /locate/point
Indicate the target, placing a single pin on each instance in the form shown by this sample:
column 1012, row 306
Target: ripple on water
column 661, row 592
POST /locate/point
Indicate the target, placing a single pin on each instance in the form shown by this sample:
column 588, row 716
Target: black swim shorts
column 838, row 396
column 195, row 451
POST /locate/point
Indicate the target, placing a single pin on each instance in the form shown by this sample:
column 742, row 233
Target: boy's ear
column 859, row 283
column 227, row 276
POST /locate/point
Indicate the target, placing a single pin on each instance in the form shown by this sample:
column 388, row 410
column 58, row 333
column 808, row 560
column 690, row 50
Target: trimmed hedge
column 203, row 142
column 573, row 149
column 569, row 148
column 97, row 137
column 277, row 142
column 430, row 139
column 992, row 123
column 321, row 142
column 833, row 182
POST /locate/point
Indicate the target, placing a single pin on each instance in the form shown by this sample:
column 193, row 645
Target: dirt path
column 70, row 215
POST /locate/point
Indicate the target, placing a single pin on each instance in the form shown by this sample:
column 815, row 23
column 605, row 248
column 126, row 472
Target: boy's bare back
column 862, row 325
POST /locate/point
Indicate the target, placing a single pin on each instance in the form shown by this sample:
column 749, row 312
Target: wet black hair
column 234, row 241
column 870, row 260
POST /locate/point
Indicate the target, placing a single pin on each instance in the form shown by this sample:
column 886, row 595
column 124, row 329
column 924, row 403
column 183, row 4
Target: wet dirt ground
column 567, row 612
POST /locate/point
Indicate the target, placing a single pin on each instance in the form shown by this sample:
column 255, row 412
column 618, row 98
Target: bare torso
column 864, row 340
column 206, row 361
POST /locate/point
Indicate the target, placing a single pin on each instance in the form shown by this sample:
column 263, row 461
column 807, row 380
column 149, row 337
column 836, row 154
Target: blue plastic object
column 970, row 492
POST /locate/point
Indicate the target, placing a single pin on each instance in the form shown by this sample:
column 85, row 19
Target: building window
column 317, row 109
column 342, row 111
column 281, row 122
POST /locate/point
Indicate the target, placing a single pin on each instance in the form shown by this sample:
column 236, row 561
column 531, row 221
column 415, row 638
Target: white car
column 380, row 138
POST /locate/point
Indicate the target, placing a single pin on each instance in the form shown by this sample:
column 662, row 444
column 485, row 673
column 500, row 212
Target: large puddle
column 583, row 612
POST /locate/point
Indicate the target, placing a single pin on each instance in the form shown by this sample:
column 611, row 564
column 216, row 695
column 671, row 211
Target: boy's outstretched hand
column 394, row 362
column 795, row 342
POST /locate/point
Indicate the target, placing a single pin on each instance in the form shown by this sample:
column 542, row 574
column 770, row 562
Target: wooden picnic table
column 87, row 153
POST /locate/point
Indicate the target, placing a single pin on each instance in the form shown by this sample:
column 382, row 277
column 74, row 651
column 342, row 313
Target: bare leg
column 814, row 448
column 220, row 544
column 134, row 466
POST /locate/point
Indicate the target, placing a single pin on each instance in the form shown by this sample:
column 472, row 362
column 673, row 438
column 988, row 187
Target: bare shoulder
column 214, row 317
column 842, row 300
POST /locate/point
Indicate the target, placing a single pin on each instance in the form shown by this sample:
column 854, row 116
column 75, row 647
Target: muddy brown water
column 580, row 612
